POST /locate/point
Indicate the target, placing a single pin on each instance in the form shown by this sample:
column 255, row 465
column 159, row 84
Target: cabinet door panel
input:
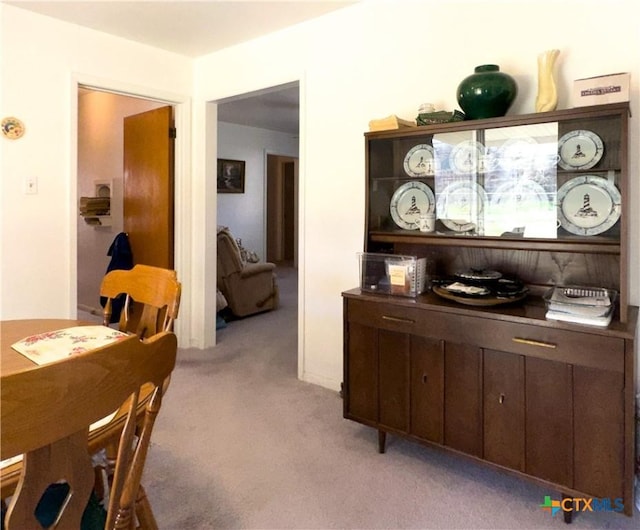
column 504, row 409
column 599, row 432
column 549, row 420
column 427, row 388
column 393, row 352
column 362, row 373
column 463, row 398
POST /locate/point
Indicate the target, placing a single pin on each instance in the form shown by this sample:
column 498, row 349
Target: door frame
column 182, row 198
column 210, row 128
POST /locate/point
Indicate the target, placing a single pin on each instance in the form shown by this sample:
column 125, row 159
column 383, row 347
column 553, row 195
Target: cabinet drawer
column 385, row 316
column 571, row 347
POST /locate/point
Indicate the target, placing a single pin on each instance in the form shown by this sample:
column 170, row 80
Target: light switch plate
column 31, row 185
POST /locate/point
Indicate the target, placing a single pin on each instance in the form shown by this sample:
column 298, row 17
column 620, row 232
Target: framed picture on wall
column 230, row 176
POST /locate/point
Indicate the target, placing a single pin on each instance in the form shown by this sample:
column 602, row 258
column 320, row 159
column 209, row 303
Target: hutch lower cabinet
column 552, row 402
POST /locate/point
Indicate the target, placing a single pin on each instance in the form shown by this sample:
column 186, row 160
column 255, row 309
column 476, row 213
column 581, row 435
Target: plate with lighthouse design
column 409, row 201
column 588, row 205
column 580, row 150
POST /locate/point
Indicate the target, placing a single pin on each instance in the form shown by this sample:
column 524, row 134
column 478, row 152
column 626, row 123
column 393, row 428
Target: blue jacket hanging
column 121, row 258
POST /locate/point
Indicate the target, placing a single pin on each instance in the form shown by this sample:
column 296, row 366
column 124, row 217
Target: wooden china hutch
column 551, row 401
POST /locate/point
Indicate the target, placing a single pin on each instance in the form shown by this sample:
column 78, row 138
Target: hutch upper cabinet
column 542, row 197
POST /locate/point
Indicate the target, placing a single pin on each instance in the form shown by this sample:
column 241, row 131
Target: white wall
column 361, row 62
column 39, row 86
column 244, row 213
column 375, row 59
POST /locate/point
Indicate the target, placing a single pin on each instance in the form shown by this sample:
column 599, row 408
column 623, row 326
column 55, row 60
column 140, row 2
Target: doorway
column 100, row 166
column 262, row 129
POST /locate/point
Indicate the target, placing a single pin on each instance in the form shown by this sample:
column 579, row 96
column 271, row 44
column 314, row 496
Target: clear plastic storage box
column 392, row 274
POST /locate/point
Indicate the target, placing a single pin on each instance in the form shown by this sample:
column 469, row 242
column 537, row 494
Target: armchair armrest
column 252, row 269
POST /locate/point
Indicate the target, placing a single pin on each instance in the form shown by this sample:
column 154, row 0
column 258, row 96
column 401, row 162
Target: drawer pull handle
column 424, row 378
column 398, row 319
column 501, row 399
column 534, row 343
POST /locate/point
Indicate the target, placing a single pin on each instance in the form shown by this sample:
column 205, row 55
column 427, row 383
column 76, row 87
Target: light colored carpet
column 241, row 443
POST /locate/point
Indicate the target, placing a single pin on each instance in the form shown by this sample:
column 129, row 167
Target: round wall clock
column 420, row 161
column 409, row 201
column 588, row 205
column 12, row 128
column 580, row 150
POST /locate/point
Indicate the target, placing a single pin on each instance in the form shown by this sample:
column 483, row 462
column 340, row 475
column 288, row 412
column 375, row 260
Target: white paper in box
column 602, row 89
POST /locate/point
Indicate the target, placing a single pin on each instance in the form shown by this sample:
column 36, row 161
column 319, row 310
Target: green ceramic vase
column 487, row 93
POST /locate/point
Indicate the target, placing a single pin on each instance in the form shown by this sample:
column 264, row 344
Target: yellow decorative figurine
column 547, row 98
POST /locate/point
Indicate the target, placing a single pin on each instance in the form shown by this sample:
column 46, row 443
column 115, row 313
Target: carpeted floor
column 240, row 443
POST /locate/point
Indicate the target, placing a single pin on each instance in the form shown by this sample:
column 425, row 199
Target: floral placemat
column 52, row 346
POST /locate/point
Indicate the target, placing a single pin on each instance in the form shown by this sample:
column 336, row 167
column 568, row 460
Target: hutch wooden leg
column 382, row 440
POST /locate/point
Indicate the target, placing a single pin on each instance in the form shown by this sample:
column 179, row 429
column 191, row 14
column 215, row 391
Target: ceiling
column 181, row 26
column 197, row 28
column 277, row 109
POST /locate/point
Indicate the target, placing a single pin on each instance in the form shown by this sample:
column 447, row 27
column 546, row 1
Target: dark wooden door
column 149, row 186
column 599, row 431
column 427, row 388
column 463, row 398
column 393, row 351
column 549, row 420
column 503, row 409
column 289, row 210
column 361, row 397
column 281, row 207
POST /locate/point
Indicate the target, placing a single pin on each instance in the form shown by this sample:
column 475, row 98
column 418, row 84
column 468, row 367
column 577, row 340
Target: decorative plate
column 409, row 201
column 419, row 161
column 12, row 128
column 580, row 150
column 461, row 204
column 466, row 157
column 588, row 205
column 518, row 153
column 516, row 196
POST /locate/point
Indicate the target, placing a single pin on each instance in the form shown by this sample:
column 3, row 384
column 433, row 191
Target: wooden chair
column 152, row 299
column 155, row 293
column 46, row 413
column 151, row 304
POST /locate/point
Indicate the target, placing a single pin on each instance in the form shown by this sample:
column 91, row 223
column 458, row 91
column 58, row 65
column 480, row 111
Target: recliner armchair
column 248, row 287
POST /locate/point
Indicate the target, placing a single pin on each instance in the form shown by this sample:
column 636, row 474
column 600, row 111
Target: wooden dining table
column 11, row 362
column 12, row 331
